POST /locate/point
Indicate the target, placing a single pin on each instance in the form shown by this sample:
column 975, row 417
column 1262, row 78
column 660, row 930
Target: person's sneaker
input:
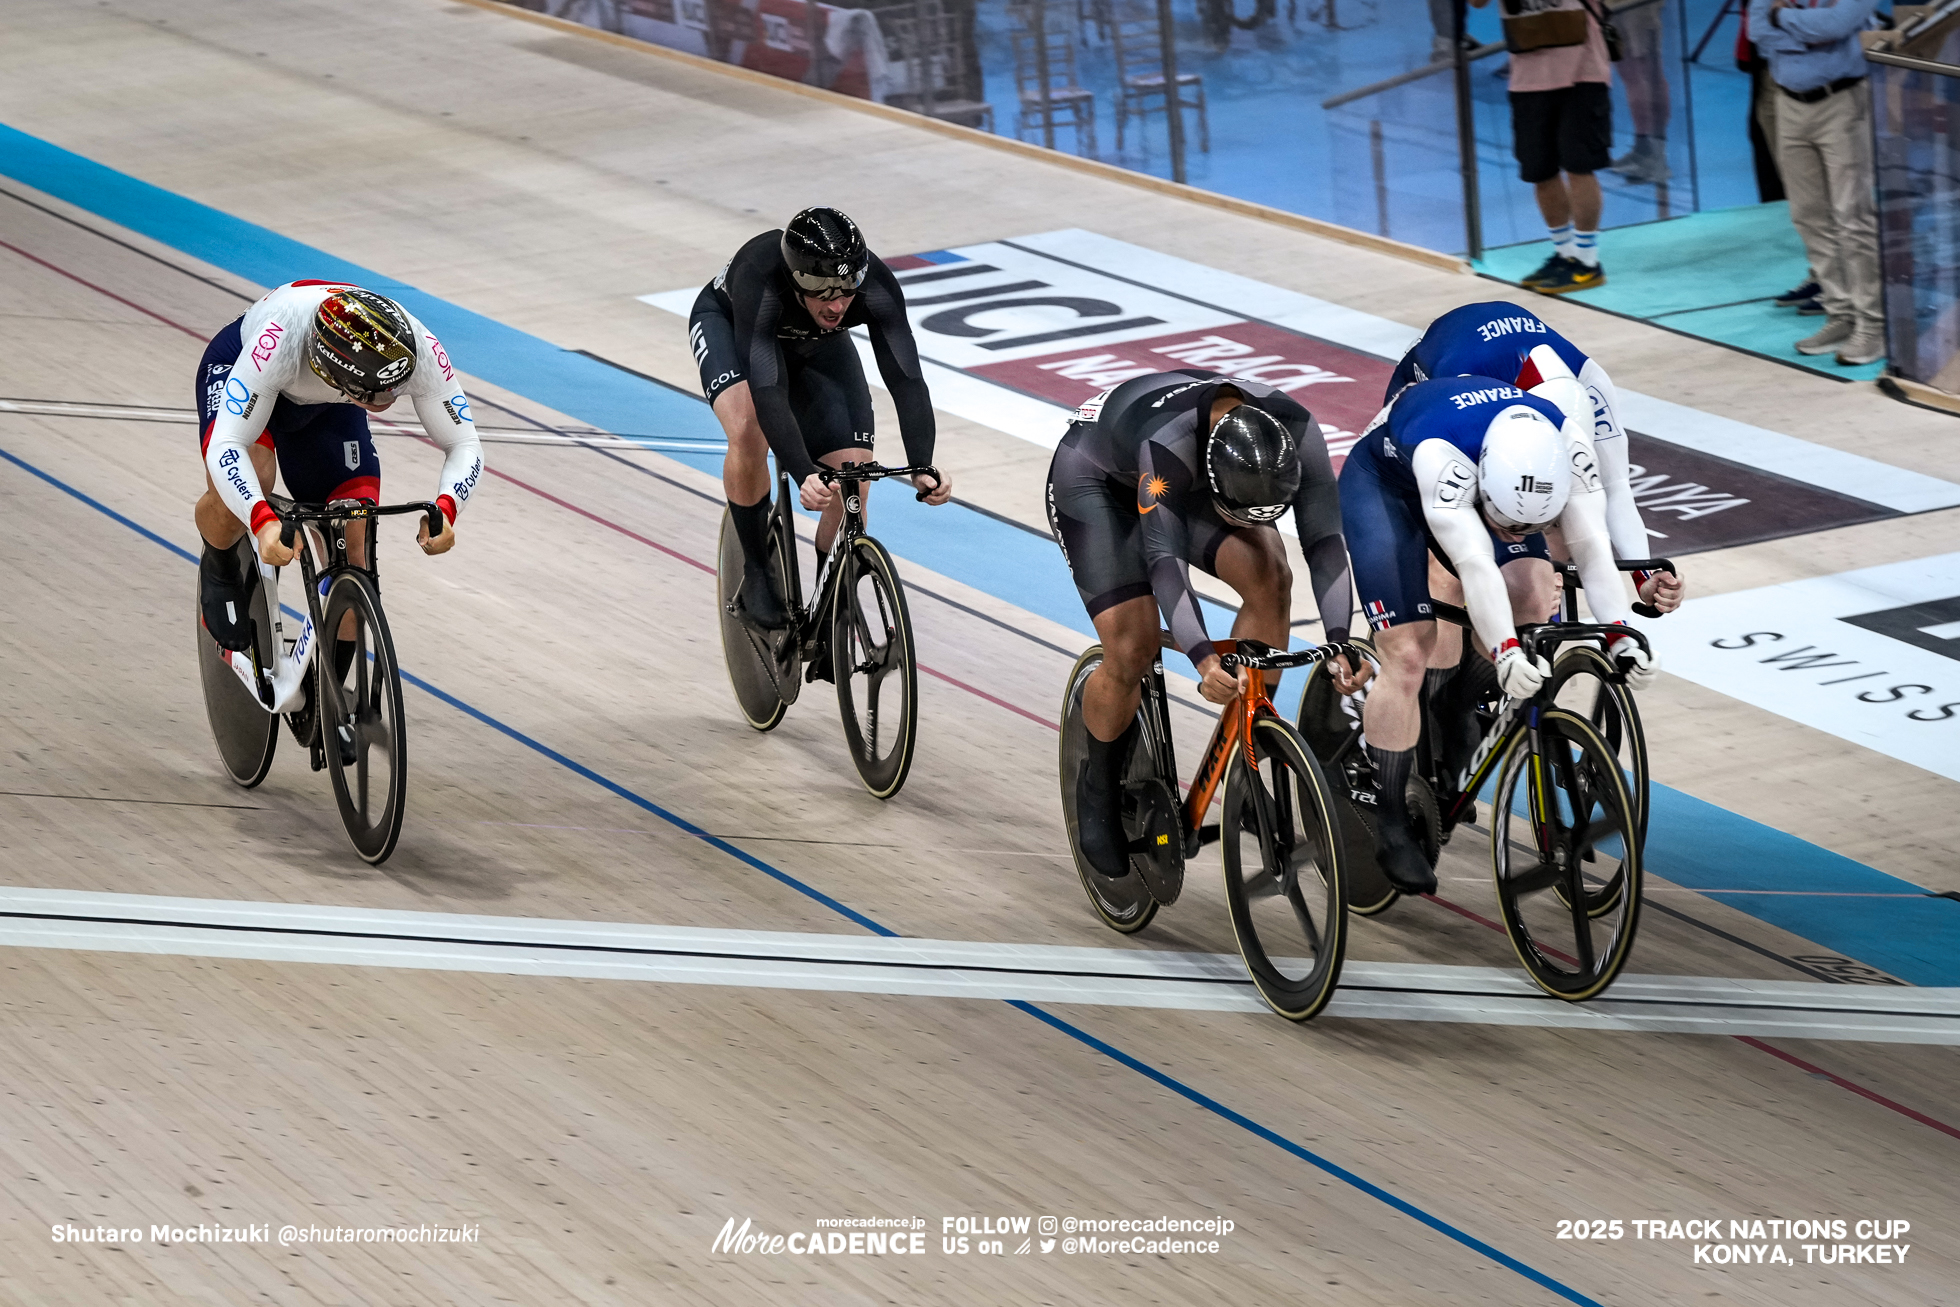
column 1403, row 861
column 1643, row 167
column 1867, row 346
column 1797, row 295
column 1834, row 333
column 343, row 736
column 1549, row 270
column 224, row 599
column 1573, row 276
column 818, row 668
column 760, row 601
column 1811, row 308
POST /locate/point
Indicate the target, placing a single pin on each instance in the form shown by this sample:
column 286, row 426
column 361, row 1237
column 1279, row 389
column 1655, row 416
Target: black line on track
column 1649, row 904
column 104, row 798
column 134, row 249
column 1026, row 635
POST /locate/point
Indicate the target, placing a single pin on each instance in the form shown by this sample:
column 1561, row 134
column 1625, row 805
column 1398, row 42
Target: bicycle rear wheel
column 1562, row 832
column 761, row 664
column 360, row 705
column 1125, row 904
column 246, row 732
column 1283, row 883
column 877, row 672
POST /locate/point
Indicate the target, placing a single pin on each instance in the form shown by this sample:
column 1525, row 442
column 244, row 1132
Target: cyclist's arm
column 1166, row 540
column 897, row 355
column 1623, row 522
column 1584, row 526
column 757, row 311
column 1317, row 517
column 250, row 391
column 1447, row 483
column 446, row 417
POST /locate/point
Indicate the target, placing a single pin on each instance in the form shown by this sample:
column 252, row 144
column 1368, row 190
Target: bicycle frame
column 811, row 620
column 1233, row 731
column 281, row 688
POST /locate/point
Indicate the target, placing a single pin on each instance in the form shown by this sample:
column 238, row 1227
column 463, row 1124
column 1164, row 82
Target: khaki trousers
column 1825, row 153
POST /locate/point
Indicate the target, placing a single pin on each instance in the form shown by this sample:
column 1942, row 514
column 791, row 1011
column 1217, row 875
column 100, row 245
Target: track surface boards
column 578, row 757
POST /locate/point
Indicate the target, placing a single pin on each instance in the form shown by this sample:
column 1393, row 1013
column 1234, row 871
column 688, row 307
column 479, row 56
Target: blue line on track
column 1073, row 1031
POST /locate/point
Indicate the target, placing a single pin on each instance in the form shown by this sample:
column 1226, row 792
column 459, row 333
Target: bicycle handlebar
column 1570, row 571
column 353, row 510
column 1255, row 655
column 874, row 472
column 1540, row 635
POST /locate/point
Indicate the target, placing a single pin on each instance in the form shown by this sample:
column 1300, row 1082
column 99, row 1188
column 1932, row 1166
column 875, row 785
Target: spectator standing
column 1824, row 151
column 1643, row 71
column 1561, row 130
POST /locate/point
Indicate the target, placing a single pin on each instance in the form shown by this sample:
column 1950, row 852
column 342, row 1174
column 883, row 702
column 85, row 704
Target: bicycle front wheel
column 1563, row 838
column 1283, row 882
column 871, row 655
column 360, row 706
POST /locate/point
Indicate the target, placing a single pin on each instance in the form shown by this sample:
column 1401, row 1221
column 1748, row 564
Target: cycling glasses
column 829, row 288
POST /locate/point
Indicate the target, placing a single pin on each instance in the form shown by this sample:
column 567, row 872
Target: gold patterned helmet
column 362, row 345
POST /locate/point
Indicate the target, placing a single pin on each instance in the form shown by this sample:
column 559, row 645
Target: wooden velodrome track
column 576, row 757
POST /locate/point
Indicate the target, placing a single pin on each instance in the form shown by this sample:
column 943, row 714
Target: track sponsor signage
column 1871, row 656
column 1018, row 334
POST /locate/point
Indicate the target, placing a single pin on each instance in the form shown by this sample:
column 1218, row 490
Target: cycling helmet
column 825, row 253
column 1253, row 464
column 362, row 345
column 1522, row 471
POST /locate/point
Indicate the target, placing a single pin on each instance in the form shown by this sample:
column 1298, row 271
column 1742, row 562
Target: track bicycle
column 1577, row 750
column 348, row 716
column 1281, row 848
column 854, row 630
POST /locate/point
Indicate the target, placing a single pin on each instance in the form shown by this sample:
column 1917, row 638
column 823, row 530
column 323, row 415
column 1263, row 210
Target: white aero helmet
column 1523, row 472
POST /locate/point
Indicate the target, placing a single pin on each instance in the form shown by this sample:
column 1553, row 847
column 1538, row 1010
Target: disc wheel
column 1283, row 883
column 1125, row 904
column 761, row 664
column 1330, row 723
column 360, row 706
column 1563, row 819
column 246, row 732
column 877, row 672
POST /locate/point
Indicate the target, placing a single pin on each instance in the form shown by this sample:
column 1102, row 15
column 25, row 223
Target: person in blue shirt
column 1824, row 151
column 1471, row 469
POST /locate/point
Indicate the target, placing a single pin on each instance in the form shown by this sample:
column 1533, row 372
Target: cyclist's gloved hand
column 815, row 494
column 1642, row 668
column 940, row 490
column 1517, row 672
column 271, row 550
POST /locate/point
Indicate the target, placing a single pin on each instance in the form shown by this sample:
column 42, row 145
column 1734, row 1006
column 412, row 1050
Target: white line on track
column 275, row 932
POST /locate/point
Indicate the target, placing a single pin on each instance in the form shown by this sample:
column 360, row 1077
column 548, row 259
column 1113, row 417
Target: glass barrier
column 1344, row 110
column 1916, row 118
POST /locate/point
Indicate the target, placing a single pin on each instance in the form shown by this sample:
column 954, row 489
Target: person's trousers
column 1824, row 151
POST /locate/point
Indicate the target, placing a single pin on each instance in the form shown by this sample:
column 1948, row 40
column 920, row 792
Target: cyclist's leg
column 1252, row 560
column 833, row 406
column 224, row 590
column 1391, row 558
column 745, row 479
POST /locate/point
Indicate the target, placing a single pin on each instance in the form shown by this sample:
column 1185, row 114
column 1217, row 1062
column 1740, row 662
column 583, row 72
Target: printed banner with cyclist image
column 1018, row 333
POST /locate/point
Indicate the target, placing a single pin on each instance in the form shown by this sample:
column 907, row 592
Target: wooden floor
column 597, row 1134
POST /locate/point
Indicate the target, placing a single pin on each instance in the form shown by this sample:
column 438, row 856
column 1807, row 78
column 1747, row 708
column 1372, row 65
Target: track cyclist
column 782, row 374
column 1159, row 473
column 1474, row 469
column 290, row 384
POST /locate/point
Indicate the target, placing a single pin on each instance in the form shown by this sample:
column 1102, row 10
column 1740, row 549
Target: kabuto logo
column 390, row 373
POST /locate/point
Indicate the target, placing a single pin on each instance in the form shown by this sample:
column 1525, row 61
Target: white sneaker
column 1835, row 333
column 1866, row 345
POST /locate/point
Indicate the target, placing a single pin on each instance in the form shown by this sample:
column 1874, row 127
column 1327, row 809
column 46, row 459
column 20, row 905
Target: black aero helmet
column 362, row 344
column 825, row 253
column 1253, row 464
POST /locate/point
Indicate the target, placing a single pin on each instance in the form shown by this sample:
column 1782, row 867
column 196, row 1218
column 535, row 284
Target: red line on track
column 1842, row 1083
column 197, row 335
